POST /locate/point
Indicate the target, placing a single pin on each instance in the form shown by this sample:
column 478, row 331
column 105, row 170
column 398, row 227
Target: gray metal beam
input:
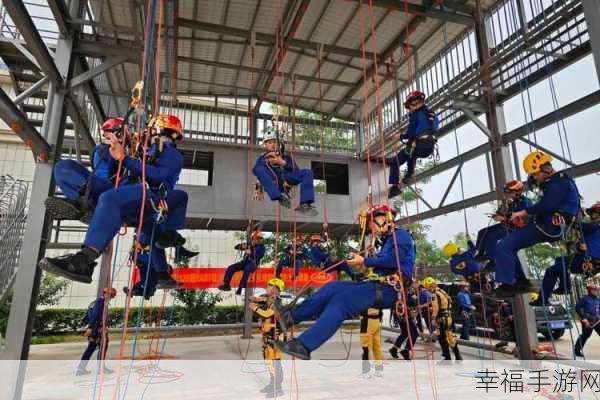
column 471, row 115
column 546, row 150
column 21, row 18
column 31, row 90
column 99, row 69
column 591, row 11
column 20, row 125
column 269, row 38
column 445, row 13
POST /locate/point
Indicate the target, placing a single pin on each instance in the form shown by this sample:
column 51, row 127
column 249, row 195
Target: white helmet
column 271, row 133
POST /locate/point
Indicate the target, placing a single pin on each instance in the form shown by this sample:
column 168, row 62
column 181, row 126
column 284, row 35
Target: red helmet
column 112, row 124
column 112, row 292
column 591, row 286
column 169, row 125
column 382, row 209
column 316, row 238
column 256, row 236
column 299, row 238
column 514, row 186
column 595, row 209
column 412, row 96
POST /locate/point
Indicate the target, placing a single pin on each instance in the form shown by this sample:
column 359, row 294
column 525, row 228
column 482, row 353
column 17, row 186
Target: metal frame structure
column 470, row 56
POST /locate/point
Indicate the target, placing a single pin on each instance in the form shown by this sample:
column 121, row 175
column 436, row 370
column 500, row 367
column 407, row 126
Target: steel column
column 591, row 11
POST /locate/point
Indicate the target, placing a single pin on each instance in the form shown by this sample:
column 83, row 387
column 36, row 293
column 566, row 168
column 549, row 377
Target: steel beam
column 473, row 118
column 256, row 70
column 591, row 11
column 445, row 13
column 546, row 150
column 31, row 90
column 99, row 69
column 21, row 18
column 269, row 38
column 20, row 125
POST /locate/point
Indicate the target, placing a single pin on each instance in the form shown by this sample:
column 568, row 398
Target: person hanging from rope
column 295, row 253
column 254, row 250
column 588, row 310
column 370, row 342
column 419, row 142
column 487, row 238
column 441, row 316
column 123, row 204
column 277, row 172
column 81, row 187
column 264, row 308
column 552, row 216
column 585, row 259
column 409, row 323
column 463, row 263
column 93, row 332
column 321, row 259
column 466, row 307
column 387, row 271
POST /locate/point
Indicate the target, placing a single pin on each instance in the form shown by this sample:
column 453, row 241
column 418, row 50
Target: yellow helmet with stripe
column 450, row 249
column 428, row 281
column 278, row 283
column 533, row 161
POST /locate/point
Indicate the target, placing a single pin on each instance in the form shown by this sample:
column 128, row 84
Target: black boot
column 138, row 290
column 271, row 394
column 394, row 191
column 183, row 255
column 77, row 267
column 285, row 200
column 307, row 209
column 293, row 348
column 169, row 239
column 524, row 286
column 224, row 287
column 456, row 352
column 394, row 352
column 503, row 291
column 405, row 354
column 166, row 281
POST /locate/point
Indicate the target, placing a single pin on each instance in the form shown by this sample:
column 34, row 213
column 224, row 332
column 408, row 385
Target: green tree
column 198, row 305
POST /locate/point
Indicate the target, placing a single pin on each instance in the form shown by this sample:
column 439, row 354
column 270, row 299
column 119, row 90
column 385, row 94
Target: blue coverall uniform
column 410, row 323
column 464, row 302
column 287, row 258
column 72, row 178
column 94, row 321
column 588, row 307
column 321, row 259
column 421, row 123
column 563, row 267
column 340, row 300
column 487, row 238
column 560, row 195
column 248, row 264
column 464, row 263
column 150, row 261
column 122, row 204
column 272, row 178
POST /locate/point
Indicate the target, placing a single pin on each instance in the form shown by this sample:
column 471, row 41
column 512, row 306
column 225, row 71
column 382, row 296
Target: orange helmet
column 112, row 292
column 519, row 222
column 112, row 124
column 514, row 186
column 299, row 238
column 168, row 125
column 412, row 96
column 316, row 238
column 256, row 236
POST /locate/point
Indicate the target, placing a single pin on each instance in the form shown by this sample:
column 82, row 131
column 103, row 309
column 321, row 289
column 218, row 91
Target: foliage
column 198, row 304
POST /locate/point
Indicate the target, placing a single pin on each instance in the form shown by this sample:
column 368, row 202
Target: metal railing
column 13, row 206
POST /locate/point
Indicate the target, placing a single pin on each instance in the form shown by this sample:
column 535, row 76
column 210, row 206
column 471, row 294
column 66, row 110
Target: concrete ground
column 234, row 348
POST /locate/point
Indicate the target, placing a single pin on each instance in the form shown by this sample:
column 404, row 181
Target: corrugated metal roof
column 340, row 23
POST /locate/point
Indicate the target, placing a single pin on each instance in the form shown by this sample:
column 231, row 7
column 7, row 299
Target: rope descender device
column 136, row 94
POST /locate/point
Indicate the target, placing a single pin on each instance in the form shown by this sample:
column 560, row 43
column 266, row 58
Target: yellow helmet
column 450, row 249
column 278, row 283
column 428, row 281
column 534, row 161
column 534, row 296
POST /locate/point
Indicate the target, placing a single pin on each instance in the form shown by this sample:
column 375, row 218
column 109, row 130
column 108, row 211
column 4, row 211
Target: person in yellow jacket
column 441, row 316
column 370, row 341
column 264, row 307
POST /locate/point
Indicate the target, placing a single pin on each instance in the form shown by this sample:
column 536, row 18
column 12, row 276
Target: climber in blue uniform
column 276, row 171
column 81, row 187
column 340, row 300
column 254, row 251
column 551, row 215
column 295, row 254
column 94, row 319
column 466, row 308
column 463, row 264
column 588, row 310
column 419, row 139
column 585, row 260
column 123, row 204
column 487, row 238
column 321, row 259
